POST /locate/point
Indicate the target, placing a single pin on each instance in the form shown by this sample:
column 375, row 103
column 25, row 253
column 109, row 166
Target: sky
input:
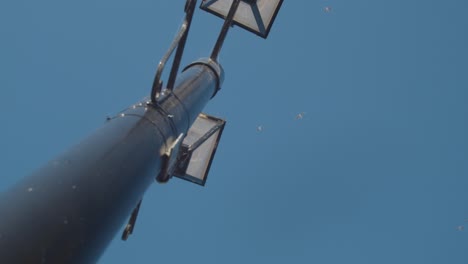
column 376, row 171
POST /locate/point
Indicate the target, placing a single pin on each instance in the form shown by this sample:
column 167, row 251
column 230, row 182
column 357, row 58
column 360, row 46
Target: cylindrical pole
column 69, row 210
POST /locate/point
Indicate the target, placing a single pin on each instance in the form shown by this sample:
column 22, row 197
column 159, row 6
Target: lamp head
column 256, row 16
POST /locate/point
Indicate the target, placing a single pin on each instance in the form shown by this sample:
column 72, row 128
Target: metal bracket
column 170, row 160
column 131, row 222
column 222, row 35
column 179, row 42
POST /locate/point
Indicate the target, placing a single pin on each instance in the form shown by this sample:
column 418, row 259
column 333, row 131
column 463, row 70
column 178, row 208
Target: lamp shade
column 198, row 149
column 256, row 16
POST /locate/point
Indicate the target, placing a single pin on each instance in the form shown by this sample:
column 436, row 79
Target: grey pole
column 69, row 210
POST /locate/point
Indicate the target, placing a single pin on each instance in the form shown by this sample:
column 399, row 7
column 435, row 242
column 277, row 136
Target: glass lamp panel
column 256, row 16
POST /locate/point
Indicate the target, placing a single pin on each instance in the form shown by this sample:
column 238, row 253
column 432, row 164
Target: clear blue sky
column 375, row 172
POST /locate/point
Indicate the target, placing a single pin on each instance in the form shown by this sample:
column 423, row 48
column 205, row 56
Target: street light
column 81, row 199
column 256, row 16
column 198, row 149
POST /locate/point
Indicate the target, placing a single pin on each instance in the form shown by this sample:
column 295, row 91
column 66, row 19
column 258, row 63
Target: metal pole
column 180, row 49
column 69, row 210
column 224, row 30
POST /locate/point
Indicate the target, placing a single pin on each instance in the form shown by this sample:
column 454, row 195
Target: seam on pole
column 154, row 124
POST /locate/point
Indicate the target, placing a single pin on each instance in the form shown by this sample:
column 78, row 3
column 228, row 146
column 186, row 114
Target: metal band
column 215, row 67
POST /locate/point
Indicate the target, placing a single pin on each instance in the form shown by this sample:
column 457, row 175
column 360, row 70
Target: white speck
column 122, row 114
column 327, row 9
column 460, row 228
column 140, row 104
column 300, row 116
column 30, row 189
column 133, row 106
column 170, row 116
column 259, row 128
